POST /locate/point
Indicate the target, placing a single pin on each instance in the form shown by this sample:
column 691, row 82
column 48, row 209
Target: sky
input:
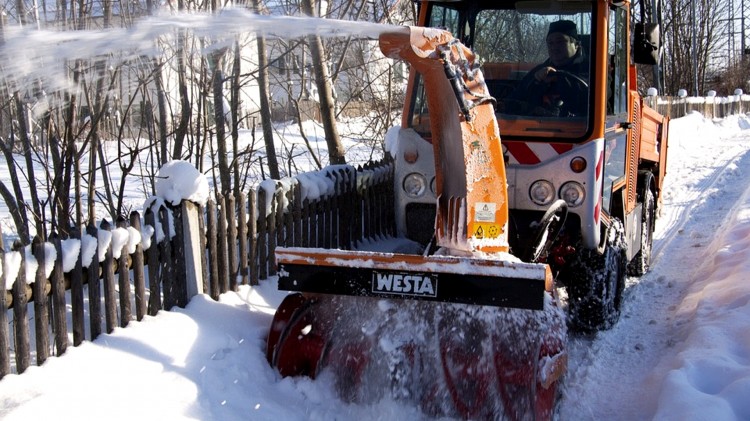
column 681, row 350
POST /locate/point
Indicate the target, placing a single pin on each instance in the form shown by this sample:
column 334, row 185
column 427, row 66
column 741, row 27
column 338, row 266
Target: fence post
column 123, row 277
column 154, row 276
column 233, row 268
column 166, row 266
column 253, row 236
column 191, row 215
column 95, row 293
column 222, row 249
column 263, row 236
column 213, row 253
column 76, row 294
column 41, row 309
column 4, row 338
column 108, row 274
column 20, row 314
column 139, row 274
column 242, row 238
column 58, row 299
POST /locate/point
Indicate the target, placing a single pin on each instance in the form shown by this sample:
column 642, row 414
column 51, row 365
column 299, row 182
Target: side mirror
column 646, row 48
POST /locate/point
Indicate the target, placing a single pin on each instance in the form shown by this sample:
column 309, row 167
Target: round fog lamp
column 415, row 185
column 542, row 192
column 572, row 193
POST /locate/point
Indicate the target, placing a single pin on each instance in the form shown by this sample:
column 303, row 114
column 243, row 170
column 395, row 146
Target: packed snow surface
column 680, row 352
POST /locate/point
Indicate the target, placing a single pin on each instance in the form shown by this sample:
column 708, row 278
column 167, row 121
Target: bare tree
column 681, row 63
column 265, row 105
column 336, row 152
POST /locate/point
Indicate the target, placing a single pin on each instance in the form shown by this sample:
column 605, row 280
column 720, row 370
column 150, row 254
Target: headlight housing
column 572, row 193
column 542, row 192
column 415, row 185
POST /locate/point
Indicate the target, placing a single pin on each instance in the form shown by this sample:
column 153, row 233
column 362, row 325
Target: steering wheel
column 577, row 87
column 574, row 79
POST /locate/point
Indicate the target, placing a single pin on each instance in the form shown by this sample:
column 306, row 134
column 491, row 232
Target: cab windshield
column 535, row 59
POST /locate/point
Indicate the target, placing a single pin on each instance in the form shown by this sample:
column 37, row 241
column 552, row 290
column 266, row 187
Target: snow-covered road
column 619, row 374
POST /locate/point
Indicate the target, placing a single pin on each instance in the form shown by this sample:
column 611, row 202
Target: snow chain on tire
column 596, row 283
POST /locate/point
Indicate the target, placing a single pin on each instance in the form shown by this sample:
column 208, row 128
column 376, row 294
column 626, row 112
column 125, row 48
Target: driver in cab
column 559, row 85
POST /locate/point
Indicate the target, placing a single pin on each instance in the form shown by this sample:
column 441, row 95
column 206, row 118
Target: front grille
column 420, row 222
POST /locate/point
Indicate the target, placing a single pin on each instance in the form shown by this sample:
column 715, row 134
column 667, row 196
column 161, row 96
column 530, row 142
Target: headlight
column 542, row 192
column 572, row 193
column 415, row 185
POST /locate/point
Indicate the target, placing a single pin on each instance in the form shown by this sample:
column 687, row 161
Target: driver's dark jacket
column 573, row 96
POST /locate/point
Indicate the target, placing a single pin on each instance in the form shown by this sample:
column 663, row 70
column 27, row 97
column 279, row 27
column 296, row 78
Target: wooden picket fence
column 210, row 251
column 710, row 107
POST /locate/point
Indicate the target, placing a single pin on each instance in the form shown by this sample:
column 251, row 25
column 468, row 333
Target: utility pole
column 745, row 50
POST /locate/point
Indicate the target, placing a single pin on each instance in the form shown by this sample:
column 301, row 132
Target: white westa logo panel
column 405, row 283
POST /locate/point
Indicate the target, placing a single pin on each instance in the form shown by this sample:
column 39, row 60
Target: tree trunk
column 185, row 106
column 161, row 101
column 23, row 129
column 265, row 107
column 220, row 119
column 235, row 111
column 325, row 93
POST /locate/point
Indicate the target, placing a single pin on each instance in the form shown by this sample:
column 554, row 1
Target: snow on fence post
column 191, row 229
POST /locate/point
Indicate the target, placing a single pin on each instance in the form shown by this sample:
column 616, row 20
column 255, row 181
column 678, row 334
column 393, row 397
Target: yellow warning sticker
column 486, row 231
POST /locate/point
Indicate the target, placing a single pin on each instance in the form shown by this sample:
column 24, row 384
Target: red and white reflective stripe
column 598, row 190
column 531, row 153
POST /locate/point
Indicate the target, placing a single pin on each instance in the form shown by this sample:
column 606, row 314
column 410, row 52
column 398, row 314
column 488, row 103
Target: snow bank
column 710, row 375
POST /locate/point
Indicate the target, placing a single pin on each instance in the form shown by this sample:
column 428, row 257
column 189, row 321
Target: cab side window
column 617, row 80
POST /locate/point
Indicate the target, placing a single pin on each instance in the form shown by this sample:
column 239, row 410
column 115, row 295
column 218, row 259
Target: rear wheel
column 596, row 283
column 642, row 261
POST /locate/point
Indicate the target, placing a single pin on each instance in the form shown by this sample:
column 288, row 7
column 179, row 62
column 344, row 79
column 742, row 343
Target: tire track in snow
column 675, row 220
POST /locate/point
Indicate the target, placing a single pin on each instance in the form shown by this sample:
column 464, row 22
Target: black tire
column 641, row 262
column 596, row 282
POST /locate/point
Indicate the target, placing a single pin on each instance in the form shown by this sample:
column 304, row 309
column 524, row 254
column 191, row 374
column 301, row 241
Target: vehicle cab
column 564, row 137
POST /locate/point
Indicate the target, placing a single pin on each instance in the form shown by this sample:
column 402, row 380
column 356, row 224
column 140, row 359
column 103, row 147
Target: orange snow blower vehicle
column 470, row 325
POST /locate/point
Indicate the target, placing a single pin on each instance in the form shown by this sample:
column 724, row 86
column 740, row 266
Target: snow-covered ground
column 680, row 352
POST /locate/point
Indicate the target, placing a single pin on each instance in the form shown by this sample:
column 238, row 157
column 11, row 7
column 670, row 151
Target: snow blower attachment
column 468, row 331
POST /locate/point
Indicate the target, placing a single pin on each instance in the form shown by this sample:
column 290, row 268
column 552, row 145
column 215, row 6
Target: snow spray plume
column 29, row 55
